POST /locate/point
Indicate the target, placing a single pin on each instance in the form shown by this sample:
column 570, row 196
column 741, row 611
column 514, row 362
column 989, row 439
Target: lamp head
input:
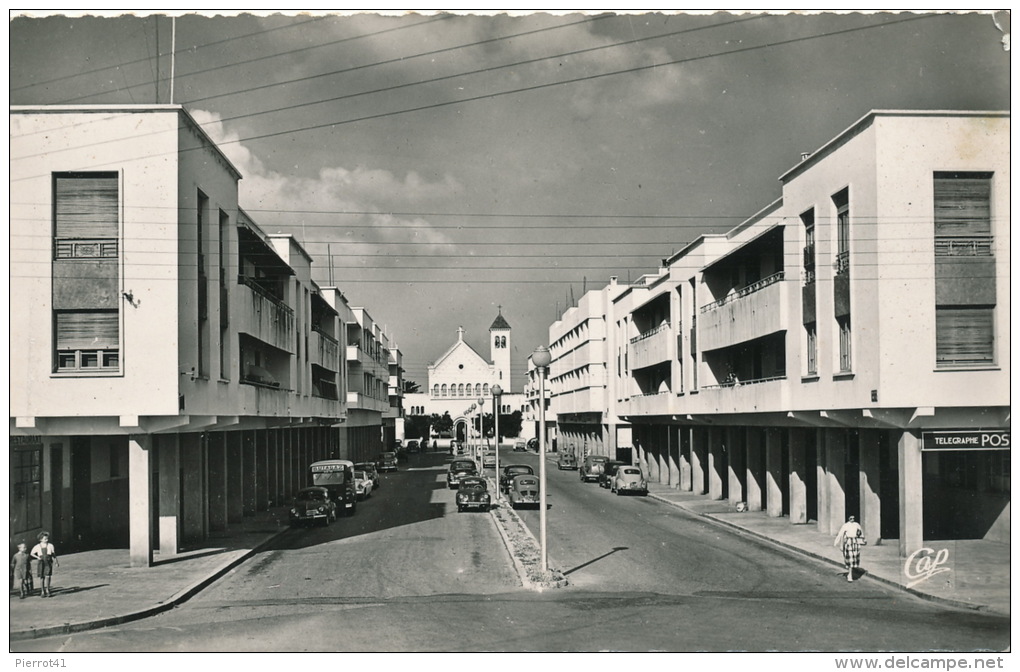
column 541, row 357
column 497, row 391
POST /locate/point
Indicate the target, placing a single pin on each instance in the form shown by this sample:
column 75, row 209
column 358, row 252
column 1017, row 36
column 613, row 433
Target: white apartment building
column 845, row 351
column 165, row 351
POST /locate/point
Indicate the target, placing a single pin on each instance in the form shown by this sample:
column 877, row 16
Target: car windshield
column 520, row 470
column 360, row 474
column 364, row 466
column 630, row 471
column 311, row 496
column 478, row 484
column 388, row 456
column 462, row 464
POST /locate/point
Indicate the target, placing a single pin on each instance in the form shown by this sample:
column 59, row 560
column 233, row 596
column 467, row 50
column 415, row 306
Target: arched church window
column 460, row 390
column 444, row 389
column 435, row 390
column 485, row 389
column 502, row 341
column 478, row 389
column 496, row 343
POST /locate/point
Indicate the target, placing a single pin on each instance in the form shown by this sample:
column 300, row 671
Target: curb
column 969, row 606
column 177, row 598
column 522, row 571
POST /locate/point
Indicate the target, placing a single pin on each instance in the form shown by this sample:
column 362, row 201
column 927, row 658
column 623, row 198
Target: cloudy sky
column 452, row 164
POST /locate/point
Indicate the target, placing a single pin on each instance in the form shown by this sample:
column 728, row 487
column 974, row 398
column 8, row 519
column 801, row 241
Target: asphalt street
column 409, row 573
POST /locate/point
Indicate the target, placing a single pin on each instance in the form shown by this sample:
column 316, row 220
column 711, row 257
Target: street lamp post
column 541, row 359
column 481, row 435
column 497, row 392
column 471, row 430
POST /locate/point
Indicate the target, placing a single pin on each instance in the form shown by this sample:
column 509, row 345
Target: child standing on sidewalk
column 47, row 557
column 21, row 563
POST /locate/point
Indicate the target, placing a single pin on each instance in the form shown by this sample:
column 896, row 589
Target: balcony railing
column 739, row 383
column 963, row 246
column 842, row 264
column 329, row 350
column 745, row 291
column 809, row 256
column 650, row 332
column 100, row 248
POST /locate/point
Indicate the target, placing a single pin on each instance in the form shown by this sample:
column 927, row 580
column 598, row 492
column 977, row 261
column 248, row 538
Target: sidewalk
column 975, row 574
column 94, row 589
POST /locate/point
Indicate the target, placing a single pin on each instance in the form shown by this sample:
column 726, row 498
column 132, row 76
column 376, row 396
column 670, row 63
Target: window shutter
column 86, row 205
column 963, row 204
column 96, row 330
column 964, row 335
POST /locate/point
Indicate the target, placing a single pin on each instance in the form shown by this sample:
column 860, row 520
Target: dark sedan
column 509, row 472
column 457, row 470
column 473, row 493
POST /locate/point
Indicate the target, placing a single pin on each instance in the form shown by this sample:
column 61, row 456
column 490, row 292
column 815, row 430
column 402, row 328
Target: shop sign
column 965, row 440
column 26, row 440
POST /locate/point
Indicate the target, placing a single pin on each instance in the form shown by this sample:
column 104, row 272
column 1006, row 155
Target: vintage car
column 312, row 505
column 629, row 479
column 362, row 485
column 371, row 470
column 337, row 476
column 533, row 444
column 473, row 493
column 411, row 445
column 509, row 472
column 458, row 469
column 566, row 461
column 523, row 490
column 520, row 447
column 387, row 462
column 608, row 472
column 489, row 460
column 592, row 467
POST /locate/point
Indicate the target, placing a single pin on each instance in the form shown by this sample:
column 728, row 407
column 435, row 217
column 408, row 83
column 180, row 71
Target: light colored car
column 629, row 479
column 371, row 471
column 312, row 505
column 362, row 485
column 524, row 490
column 520, row 447
column 511, row 470
column 473, row 493
column 489, row 460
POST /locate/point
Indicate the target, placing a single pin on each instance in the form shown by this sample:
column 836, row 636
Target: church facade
column 461, row 376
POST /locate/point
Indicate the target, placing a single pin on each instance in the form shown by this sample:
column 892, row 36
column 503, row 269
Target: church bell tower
column 499, row 344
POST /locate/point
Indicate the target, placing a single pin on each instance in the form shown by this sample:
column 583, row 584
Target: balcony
column 652, row 347
column 263, row 316
column 963, row 246
column 757, row 395
column 361, row 401
column 753, row 311
column 324, row 350
column 652, row 404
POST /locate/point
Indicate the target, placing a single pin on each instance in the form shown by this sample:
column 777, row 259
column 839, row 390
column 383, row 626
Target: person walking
column 850, row 538
column 21, row 563
column 47, row 557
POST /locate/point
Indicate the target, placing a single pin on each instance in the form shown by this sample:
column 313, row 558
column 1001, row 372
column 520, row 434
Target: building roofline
column 133, row 109
column 867, row 120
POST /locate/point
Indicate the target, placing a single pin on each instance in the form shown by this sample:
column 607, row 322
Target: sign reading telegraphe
column 965, row 440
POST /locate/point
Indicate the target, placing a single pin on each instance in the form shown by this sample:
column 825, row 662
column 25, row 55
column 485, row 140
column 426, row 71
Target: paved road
column 409, row 573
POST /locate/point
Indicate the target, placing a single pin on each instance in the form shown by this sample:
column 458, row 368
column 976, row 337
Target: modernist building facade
column 461, row 376
column 845, row 351
column 165, row 351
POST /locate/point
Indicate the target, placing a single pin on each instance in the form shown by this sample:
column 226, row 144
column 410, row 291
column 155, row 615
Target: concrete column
column 911, row 488
column 217, row 486
column 169, row 494
column 261, row 484
column 274, row 467
column 774, row 472
column 235, row 478
column 754, row 476
column 683, row 436
column 193, row 519
column 249, row 468
column 699, row 459
column 736, row 463
column 798, row 477
column 140, row 465
column 817, row 443
column 715, row 463
column 871, row 500
column 835, row 461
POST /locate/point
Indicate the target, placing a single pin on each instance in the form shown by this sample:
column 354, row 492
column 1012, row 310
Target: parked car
column 509, row 472
column 520, row 447
column 629, row 479
column 473, row 493
column 533, row 444
column 337, row 476
column 608, row 472
column 371, row 471
column 489, row 459
column 458, row 469
column 362, row 485
column 523, row 490
column 566, row 461
column 312, row 505
column 592, row 467
column 387, row 462
column 411, row 445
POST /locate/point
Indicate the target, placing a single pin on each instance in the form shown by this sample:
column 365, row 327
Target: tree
column 411, row 387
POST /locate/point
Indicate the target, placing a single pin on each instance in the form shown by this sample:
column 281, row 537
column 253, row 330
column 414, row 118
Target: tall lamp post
column 541, row 359
column 481, row 434
column 497, row 392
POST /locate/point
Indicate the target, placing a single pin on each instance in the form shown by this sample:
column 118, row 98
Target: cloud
column 338, row 200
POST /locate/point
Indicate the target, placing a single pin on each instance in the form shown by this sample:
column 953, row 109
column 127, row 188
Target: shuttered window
column 963, row 204
column 964, row 336
column 86, row 214
column 87, row 340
